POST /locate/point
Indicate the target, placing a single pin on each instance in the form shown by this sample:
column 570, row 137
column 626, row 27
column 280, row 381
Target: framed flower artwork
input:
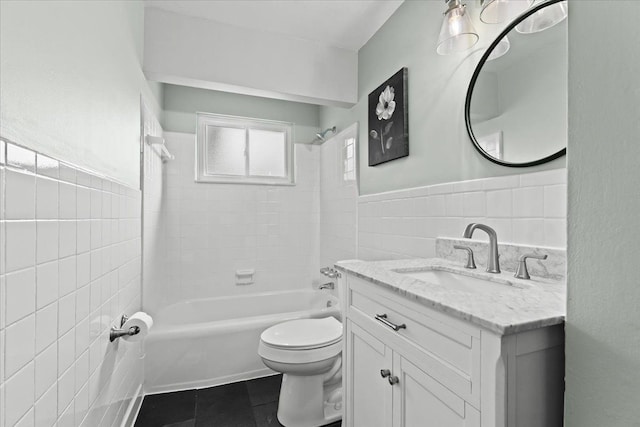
column 389, row 120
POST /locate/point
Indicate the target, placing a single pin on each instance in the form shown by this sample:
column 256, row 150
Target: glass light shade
column 544, row 18
column 497, row 11
column 502, row 48
column 457, row 33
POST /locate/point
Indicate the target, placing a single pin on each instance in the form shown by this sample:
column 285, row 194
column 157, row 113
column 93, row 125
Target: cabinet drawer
column 446, row 348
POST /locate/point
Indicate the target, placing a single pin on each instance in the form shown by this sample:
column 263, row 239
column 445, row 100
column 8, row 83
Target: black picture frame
column 388, row 130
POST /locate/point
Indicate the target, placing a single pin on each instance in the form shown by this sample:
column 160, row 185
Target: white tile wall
column 69, row 266
column 524, row 209
column 338, row 214
column 211, row 230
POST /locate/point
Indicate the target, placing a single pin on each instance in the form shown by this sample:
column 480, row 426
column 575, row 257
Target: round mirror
column 516, row 105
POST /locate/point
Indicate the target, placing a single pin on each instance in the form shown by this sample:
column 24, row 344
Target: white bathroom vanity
column 430, row 343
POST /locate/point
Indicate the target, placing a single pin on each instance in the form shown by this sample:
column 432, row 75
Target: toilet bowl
column 308, row 352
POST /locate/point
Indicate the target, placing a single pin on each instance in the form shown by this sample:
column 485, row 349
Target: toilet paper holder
column 119, row 332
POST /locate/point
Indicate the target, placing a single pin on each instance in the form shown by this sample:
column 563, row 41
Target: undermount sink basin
column 458, row 282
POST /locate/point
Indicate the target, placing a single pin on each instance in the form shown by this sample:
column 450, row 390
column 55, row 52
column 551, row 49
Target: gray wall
column 440, row 150
column 603, row 318
column 70, row 79
column 181, row 104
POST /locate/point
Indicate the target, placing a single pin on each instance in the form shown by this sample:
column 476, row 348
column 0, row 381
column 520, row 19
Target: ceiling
column 347, row 24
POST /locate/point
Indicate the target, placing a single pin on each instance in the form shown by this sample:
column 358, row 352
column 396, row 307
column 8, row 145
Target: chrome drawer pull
column 383, row 318
column 384, row 373
column 393, row 380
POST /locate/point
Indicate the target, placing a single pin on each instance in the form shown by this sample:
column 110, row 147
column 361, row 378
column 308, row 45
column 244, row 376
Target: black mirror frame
column 472, row 83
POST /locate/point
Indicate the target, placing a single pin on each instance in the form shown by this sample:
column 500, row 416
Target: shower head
column 321, row 135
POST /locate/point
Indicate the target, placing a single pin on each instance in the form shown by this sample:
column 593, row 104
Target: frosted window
column 267, row 154
column 349, row 160
column 225, row 151
column 242, row 150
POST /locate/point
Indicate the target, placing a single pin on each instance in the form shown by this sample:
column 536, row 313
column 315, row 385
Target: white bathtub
column 202, row 343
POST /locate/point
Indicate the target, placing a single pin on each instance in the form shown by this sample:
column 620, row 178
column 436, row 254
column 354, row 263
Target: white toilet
column 309, row 354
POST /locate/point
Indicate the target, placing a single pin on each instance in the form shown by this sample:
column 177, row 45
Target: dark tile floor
column 252, row 403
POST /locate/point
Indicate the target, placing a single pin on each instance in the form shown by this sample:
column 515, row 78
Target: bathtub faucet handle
column 330, row 272
column 333, row 274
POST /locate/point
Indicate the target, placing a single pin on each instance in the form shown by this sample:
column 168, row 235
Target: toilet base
column 332, row 413
column 305, row 402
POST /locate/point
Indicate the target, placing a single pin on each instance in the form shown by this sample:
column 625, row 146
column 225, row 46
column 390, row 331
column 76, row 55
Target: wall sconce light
column 497, row 11
column 544, row 18
column 457, row 33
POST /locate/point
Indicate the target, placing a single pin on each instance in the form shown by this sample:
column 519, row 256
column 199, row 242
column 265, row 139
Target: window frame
column 348, row 176
column 246, row 123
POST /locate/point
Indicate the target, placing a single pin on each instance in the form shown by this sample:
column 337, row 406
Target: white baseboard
column 131, row 414
column 212, row 382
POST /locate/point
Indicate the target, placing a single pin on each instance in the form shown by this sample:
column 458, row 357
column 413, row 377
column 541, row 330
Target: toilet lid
column 303, row 333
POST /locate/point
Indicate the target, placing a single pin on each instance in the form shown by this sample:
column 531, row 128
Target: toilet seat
column 303, row 334
column 302, row 341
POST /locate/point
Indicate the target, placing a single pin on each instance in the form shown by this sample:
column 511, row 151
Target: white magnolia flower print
column 386, row 105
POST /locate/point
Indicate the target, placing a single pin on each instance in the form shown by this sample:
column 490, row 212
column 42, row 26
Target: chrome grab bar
column 383, row 319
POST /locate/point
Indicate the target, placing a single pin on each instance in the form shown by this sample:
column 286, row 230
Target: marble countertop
column 520, row 305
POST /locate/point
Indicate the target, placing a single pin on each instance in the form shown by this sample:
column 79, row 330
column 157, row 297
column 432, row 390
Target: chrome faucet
column 493, row 264
column 329, row 285
column 522, row 272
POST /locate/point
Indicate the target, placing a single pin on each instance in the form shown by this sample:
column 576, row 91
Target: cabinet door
column 368, row 395
column 421, row 401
